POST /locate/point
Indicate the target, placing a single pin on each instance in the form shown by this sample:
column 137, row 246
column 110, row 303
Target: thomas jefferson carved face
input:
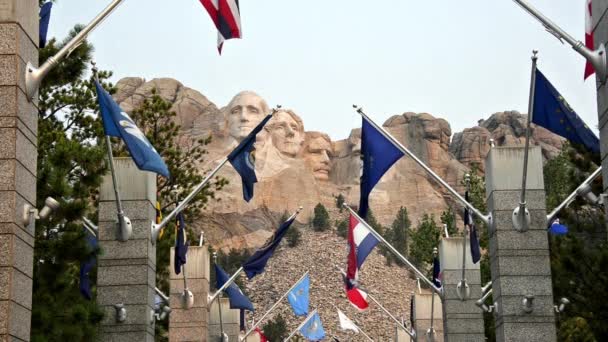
column 317, row 151
column 287, row 132
column 245, row 111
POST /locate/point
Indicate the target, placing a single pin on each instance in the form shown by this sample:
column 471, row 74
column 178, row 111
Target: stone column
column 18, row 154
column 127, row 270
column 519, row 260
column 600, row 35
column 190, row 324
column 462, row 320
column 421, row 316
column 230, row 321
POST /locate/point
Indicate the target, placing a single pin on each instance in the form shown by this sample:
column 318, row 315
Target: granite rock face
column 296, row 167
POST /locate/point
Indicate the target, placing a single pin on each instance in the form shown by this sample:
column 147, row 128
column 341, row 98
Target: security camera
column 30, row 213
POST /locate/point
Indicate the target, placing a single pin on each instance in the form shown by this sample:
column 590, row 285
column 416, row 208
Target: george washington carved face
column 245, row 111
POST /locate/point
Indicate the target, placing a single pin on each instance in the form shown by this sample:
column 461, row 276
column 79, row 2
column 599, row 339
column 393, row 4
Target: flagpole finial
column 300, row 208
column 534, row 55
column 215, row 257
column 358, row 108
column 435, row 251
column 276, row 109
column 94, row 69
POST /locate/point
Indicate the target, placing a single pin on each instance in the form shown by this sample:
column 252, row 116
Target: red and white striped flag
column 226, row 16
column 588, row 36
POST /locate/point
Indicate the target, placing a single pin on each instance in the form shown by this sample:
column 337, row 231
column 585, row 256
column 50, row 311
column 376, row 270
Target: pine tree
column 449, row 219
column 70, row 167
column 424, row 239
column 320, row 221
column 276, row 329
column 399, row 234
column 342, row 228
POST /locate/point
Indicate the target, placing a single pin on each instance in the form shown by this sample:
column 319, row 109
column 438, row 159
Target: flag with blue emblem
column 313, row 328
column 552, row 112
column 558, row 229
column 256, row 263
column 87, row 266
column 45, row 18
column 181, row 245
column 299, row 297
column 243, row 160
column 379, row 154
column 237, row 299
column 117, row 123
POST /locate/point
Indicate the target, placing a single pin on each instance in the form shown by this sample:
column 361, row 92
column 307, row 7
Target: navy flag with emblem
column 117, row 123
column 87, row 266
column 181, row 245
column 256, row 263
column 436, row 272
column 236, row 297
column 243, row 161
column 379, row 154
column 552, row 112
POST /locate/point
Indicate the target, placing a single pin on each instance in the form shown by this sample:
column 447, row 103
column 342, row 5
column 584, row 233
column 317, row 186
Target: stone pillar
column 462, row 320
column 519, row 260
column 190, row 324
column 600, row 35
column 18, row 154
column 421, row 316
column 127, row 270
column 230, row 320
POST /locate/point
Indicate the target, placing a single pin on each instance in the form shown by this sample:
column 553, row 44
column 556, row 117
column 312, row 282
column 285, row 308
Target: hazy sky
column 458, row 60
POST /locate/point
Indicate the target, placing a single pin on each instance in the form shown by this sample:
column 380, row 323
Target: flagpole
column 463, row 281
column 310, row 316
column 34, row 76
column 573, row 195
column 395, row 252
column 123, row 221
column 521, row 216
column 90, row 227
column 257, row 323
column 402, row 326
column 485, row 218
column 597, row 58
column 431, row 331
column 226, row 284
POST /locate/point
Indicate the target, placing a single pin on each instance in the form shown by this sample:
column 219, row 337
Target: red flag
column 262, row 337
column 589, row 36
column 357, row 298
column 226, row 17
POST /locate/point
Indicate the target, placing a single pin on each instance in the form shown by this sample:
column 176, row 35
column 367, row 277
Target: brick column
column 127, row 270
column 422, row 317
column 18, row 154
column 462, row 320
column 230, row 320
column 519, row 260
column 190, row 324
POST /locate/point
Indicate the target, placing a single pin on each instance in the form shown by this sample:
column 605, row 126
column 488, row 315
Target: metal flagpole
column 597, row 58
column 123, row 222
column 34, row 76
column 462, row 285
column 90, row 227
column 431, row 332
column 311, row 315
column 485, row 218
column 521, row 216
column 219, row 305
column 573, row 195
column 411, row 333
column 273, row 307
column 396, row 252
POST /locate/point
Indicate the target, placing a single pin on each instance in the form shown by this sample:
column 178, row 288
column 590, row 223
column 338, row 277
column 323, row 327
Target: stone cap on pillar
column 450, row 254
column 197, row 263
column 504, row 168
column 133, row 184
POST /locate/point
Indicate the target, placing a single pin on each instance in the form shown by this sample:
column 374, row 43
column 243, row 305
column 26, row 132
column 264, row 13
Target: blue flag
column 181, row 246
column 236, row 297
column 86, row 267
column 552, row 112
column 436, row 272
column 298, row 297
column 557, row 228
column 256, row 263
column 243, row 160
column 117, row 123
column 313, row 329
column 474, row 241
column 379, row 154
column 45, row 17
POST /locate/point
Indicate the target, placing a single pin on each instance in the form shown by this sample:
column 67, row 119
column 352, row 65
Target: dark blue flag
column 181, row 245
column 117, row 123
column 256, row 263
column 45, row 17
column 474, row 241
column 557, row 228
column 87, row 266
column 236, row 297
column 243, row 160
column 379, row 154
column 552, row 112
column 436, row 272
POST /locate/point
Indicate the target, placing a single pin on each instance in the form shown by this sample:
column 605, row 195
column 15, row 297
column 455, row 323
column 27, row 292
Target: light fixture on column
column 30, row 213
column 121, row 313
column 527, row 303
column 562, row 305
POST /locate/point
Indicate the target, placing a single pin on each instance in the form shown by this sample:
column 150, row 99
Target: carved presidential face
column 317, row 155
column 243, row 113
column 287, row 133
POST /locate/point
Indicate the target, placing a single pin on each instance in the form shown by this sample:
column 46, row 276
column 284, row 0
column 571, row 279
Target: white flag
column 346, row 323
